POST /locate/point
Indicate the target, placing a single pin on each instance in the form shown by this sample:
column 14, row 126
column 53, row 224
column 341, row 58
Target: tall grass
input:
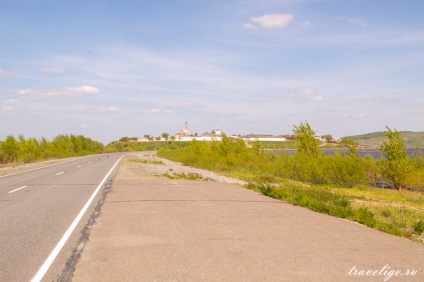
column 255, row 164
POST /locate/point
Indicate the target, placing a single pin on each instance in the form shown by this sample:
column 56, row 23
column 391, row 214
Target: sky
column 107, row 69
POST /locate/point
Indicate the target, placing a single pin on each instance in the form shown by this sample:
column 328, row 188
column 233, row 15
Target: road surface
column 176, row 230
column 38, row 207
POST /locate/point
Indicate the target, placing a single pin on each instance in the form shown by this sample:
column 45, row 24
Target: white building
column 262, row 137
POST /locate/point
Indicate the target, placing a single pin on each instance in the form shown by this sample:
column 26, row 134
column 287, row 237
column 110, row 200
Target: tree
column 397, row 165
column 124, row 139
column 149, row 137
column 351, row 147
column 327, row 137
column 306, row 141
column 165, row 136
column 10, row 149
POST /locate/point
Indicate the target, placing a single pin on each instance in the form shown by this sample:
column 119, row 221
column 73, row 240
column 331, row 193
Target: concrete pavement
column 176, row 230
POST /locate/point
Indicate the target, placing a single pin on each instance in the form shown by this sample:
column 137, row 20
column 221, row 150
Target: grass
column 400, row 221
column 144, row 161
column 411, row 139
column 338, row 189
column 188, row 176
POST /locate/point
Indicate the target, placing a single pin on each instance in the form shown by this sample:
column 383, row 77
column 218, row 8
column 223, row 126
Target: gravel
column 146, row 165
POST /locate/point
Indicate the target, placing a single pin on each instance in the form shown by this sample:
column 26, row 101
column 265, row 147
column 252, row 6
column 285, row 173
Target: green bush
column 419, row 227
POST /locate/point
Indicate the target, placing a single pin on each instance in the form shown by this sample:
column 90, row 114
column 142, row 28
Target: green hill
column 375, row 139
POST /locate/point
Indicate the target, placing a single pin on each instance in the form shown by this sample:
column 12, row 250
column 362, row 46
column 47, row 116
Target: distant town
column 216, row 135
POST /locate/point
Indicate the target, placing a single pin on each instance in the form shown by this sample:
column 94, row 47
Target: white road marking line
column 79, row 166
column 46, row 265
column 60, row 173
column 89, row 162
column 17, row 189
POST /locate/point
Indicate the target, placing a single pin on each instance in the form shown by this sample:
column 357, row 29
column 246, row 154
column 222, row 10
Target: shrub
column 397, row 165
column 418, row 227
column 306, row 142
column 364, row 216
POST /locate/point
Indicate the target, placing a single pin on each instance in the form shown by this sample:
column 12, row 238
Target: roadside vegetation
column 22, row 150
column 129, row 145
column 144, row 161
column 339, row 185
column 184, row 176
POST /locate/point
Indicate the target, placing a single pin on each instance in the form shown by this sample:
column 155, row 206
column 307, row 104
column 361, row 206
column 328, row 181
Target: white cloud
column 270, row 21
column 2, row 74
column 307, row 91
column 153, row 111
column 317, row 98
column 98, row 109
column 80, row 91
column 178, row 104
column 358, row 22
column 249, row 25
column 107, row 109
column 6, row 109
column 53, row 69
column 12, row 102
column 84, row 125
column 158, row 111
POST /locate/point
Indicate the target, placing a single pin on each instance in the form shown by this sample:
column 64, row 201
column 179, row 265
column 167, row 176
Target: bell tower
column 186, row 130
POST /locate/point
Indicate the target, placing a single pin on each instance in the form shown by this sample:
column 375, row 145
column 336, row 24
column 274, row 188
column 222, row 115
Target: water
column 361, row 152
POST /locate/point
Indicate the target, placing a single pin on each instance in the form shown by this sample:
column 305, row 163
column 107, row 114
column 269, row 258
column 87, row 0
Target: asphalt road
column 176, row 230
column 37, row 208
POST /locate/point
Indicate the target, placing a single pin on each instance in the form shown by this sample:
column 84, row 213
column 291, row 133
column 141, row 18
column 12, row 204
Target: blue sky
column 107, row 69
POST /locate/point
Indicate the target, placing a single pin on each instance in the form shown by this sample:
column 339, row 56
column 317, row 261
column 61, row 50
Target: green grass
column 400, row 221
column 334, row 185
column 375, row 140
column 274, row 145
column 144, row 161
column 185, row 176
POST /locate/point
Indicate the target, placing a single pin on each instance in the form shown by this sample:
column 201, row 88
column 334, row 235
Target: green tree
column 351, row 147
column 165, row 136
column 306, row 141
column 124, row 139
column 10, row 149
column 396, row 165
column 327, row 137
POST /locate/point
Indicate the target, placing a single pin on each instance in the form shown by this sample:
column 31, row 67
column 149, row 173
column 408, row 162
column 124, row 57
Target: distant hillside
column 375, row 139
